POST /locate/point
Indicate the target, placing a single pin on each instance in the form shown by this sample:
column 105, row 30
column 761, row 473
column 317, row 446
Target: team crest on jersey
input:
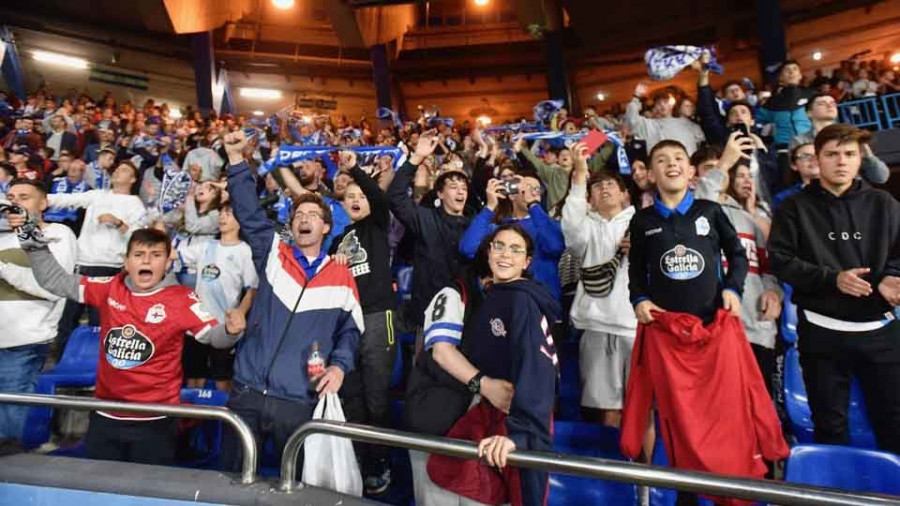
column 682, row 263
column 156, row 314
column 126, row 348
column 702, row 226
column 210, row 272
column 497, row 327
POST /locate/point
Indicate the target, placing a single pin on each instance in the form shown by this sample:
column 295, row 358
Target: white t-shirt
column 101, row 244
column 223, row 273
column 444, row 318
column 28, row 312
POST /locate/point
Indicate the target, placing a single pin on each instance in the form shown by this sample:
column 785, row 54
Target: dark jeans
column 366, row 389
column 267, row 417
column 142, row 442
column 73, row 310
column 830, row 359
column 20, row 367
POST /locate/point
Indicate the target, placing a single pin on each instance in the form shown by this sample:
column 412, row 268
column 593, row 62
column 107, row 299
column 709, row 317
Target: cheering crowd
column 263, row 255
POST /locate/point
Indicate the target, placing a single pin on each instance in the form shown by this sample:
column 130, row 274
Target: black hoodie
column 816, row 235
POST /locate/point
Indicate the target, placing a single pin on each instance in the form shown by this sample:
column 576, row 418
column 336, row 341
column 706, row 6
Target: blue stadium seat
column 76, row 368
column 789, row 317
column 404, row 284
column 397, row 373
column 797, row 406
column 206, row 438
column 852, row 469
column 589, row 440
column 569, row 398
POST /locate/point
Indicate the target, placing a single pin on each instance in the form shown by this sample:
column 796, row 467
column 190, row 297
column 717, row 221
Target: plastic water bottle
column 315, row 366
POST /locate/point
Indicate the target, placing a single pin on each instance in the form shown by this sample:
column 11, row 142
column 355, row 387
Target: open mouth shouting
column 145, row 275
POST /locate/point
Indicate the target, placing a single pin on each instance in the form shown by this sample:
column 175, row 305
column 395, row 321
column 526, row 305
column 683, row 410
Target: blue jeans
column 19, row 370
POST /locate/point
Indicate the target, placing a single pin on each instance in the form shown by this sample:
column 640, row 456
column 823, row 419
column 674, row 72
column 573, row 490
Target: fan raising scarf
column 174, row 187
column 366, row 156
column 665, row 62
column 560, row 139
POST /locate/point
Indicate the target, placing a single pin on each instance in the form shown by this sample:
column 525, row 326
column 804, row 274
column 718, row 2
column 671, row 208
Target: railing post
column 248, row 442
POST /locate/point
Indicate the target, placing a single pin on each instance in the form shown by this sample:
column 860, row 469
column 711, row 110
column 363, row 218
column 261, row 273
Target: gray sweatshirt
column 759, row 279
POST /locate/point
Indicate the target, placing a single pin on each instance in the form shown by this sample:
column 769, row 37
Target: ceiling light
column 481, row 3
column 258, row 113
column 895, row 58
column 283, row 4
column 817, row 55
column 60, row 59
column 484, row 120
column 262, row 93
column 601, row 96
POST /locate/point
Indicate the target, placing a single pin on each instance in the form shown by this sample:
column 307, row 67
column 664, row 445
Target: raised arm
column 51, row 277
column 403, row 206
column 574, row 210
column 378, row 200
column 259, row 230
column 639, row 125
column 74, row 200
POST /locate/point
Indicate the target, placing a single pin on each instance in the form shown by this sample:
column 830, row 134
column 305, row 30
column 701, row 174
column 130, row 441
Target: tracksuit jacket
column 787, row 110
column 511, row 341
column 816, row 235
column 436, row 234
column 272, row 356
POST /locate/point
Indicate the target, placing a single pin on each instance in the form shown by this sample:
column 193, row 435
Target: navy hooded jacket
column 511, row 340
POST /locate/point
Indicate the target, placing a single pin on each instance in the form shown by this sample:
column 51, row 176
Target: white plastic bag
column 329, row 461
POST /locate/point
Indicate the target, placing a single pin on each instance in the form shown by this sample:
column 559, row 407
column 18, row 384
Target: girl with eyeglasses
column 511, row 341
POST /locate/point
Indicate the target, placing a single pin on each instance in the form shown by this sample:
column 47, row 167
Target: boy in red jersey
column 143, row 319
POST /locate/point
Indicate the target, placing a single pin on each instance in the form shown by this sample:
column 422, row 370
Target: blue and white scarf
column 544, row 110
column 665, row 62
column 366, row 155
column 174, row 187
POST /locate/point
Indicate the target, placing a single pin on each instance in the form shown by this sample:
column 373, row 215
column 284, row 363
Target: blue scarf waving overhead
column 543, row 111
column 366, row 156
column 665, row 62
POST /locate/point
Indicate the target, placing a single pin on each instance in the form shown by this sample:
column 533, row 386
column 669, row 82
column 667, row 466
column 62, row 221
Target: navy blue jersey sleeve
column 534, row 376
column 637, row 262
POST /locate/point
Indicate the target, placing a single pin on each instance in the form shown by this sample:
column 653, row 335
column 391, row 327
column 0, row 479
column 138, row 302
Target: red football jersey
column 142, row 338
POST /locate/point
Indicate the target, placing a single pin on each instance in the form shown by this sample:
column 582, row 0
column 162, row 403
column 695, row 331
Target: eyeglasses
column 500, row 247
column 805, row 157
column 309, row 215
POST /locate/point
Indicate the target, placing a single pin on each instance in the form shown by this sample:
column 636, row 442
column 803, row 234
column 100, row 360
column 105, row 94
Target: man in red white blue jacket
column 306, row 312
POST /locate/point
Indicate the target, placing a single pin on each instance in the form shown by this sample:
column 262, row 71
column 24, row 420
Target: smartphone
column 742, row 128
column 593, row 140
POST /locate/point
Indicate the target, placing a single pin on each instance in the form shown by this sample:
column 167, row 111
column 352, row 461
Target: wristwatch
column 474, row 384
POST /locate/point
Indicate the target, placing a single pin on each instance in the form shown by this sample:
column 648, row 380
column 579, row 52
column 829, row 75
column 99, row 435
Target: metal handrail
column 248, row 442
column 604, row 469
